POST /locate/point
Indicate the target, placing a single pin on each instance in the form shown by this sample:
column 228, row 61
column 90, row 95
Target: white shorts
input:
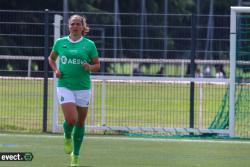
column 80, row 97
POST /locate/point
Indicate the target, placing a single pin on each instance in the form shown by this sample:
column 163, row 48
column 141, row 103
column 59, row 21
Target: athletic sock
column 67, row 130
column 78, row 134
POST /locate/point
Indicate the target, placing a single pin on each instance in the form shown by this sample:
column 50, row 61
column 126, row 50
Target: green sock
column 78, row 134
column 67, row 130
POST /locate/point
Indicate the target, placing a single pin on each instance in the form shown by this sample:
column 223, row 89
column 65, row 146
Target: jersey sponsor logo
column 65, row 60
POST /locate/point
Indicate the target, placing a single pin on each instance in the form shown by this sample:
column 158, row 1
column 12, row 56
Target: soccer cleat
column 67, row 145
column 74, row 160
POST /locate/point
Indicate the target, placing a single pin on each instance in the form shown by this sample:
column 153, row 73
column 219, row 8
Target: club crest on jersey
column 64, row 59
column 64, row 46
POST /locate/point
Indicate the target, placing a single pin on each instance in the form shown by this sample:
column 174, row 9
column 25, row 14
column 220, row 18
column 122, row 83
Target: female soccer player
column 78, row 57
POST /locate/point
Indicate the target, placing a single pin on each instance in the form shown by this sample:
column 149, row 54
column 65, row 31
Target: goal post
column 232, row 70
column 234, row 36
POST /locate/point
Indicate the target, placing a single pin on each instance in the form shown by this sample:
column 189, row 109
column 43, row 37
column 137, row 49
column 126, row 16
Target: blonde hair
column 83, row 21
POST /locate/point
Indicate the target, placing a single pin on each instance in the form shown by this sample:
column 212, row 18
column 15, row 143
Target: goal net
column 240, row 39
column 239, row 118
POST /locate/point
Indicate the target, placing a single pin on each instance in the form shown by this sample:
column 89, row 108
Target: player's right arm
column 52, row 62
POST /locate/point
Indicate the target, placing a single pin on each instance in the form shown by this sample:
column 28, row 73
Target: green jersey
column 72, row 55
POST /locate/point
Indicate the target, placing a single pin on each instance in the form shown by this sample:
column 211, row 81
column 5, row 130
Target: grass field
column 108, row 151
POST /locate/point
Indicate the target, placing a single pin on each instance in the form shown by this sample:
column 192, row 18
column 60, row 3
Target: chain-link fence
column 129, row 44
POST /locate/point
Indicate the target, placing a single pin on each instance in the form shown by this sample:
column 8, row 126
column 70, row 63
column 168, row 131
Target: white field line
column 135, row 139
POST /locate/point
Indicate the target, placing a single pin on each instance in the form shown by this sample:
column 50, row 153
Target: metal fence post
column 192, row 70
column 45, row 65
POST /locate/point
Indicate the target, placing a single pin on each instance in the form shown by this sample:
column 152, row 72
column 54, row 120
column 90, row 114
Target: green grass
column 100, row 151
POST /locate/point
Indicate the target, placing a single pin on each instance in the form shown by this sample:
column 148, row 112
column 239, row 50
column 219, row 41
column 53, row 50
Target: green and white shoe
column 74, row 160
column 67, row 146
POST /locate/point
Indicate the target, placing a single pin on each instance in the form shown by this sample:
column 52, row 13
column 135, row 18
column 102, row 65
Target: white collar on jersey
column 74, row 41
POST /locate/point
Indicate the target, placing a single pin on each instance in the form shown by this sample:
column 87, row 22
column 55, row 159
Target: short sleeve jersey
column 72, row 55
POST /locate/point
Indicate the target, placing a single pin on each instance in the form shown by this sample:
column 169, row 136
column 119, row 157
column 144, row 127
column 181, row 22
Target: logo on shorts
column 62, row 98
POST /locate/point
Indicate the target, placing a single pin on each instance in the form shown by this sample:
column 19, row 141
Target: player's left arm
column 94, row 66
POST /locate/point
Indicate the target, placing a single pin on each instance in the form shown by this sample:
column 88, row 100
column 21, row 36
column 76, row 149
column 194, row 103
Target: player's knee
column 80, row 124
column 71, row 121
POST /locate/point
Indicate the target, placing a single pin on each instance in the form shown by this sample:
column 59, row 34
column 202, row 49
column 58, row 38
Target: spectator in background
column 136, row 70
column 198, row 73
column 220, row 73
column 207, row 72
column 160, row 72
